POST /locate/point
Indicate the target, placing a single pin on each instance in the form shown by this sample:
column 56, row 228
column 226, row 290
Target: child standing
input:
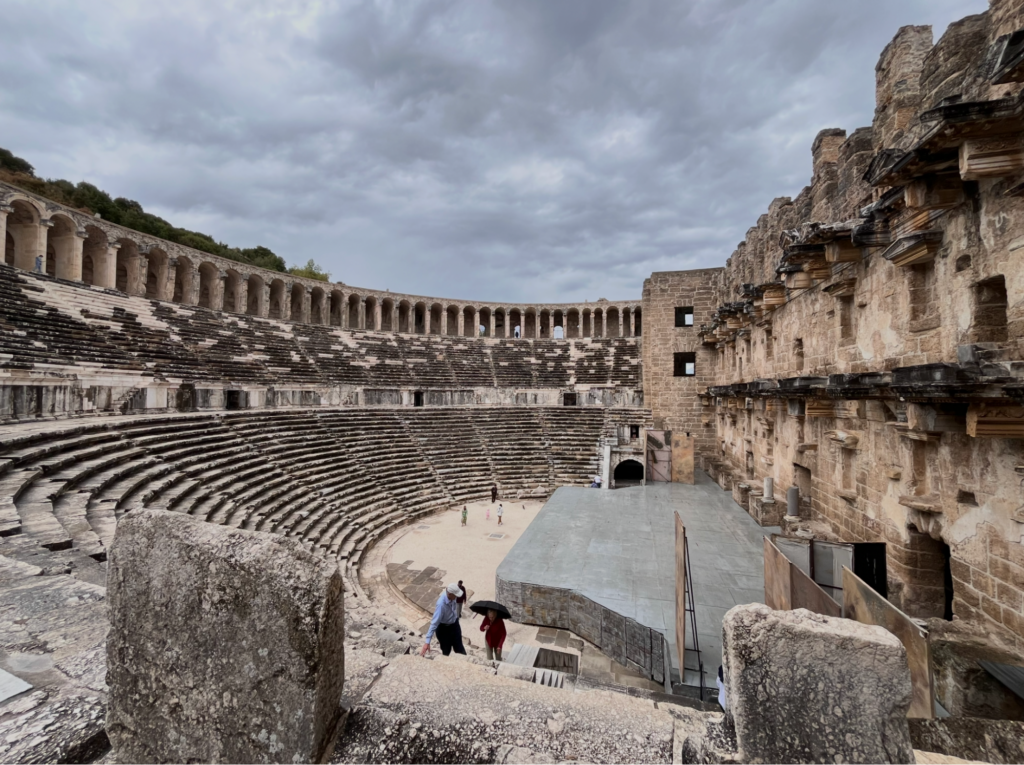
column 465, row 511
column 501, row 512
column 493, row 627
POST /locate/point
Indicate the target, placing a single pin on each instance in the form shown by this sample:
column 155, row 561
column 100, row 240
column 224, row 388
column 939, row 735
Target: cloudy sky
column 524, row 151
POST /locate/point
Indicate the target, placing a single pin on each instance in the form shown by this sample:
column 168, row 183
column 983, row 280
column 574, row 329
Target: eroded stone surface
column 809, row 688
column 225, row 645
column 461, row 711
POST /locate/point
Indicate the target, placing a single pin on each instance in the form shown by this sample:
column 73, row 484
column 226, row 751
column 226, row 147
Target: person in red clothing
column 493, row 627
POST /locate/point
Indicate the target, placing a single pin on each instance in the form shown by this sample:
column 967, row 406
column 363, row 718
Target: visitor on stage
column 494, row 492
column 445, row 623
column 493, row 628
column 465, row 512
column 501, row 512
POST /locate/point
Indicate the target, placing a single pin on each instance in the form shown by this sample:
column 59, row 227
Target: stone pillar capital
column 5, row 209
column 46, row 222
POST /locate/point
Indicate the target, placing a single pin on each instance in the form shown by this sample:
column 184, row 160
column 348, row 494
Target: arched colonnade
column 50, row 239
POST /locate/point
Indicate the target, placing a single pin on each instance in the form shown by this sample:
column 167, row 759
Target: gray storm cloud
column 520, row 151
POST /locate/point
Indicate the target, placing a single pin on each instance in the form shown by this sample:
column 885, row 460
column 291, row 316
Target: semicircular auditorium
column 846, row 391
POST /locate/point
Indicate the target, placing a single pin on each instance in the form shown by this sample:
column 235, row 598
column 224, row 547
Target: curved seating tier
column 50, row 325
column 334, row 478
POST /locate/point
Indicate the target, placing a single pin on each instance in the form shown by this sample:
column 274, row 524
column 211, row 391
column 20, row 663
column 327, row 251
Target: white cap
column 454, row 589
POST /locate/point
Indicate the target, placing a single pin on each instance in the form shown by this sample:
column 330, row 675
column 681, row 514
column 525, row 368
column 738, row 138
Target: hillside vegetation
column 129, row 213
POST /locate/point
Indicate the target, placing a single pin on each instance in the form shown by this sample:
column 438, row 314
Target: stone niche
column 225, row 645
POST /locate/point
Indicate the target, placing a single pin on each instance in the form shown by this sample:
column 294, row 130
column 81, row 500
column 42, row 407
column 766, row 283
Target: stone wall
column 628, row 642
column 865, row 340
column 674, row 399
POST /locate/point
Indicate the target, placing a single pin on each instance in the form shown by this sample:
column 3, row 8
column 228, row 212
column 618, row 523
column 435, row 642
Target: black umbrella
column 483, row 606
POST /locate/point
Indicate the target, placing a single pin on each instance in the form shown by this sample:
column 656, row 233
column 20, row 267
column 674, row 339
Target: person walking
column 493, row 628
column 445, row 623
column 501, row 512
column 465, row 512
column 461, row 600
column 494, row 493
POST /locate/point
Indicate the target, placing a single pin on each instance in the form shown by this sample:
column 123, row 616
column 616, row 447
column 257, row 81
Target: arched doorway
column 628, row 473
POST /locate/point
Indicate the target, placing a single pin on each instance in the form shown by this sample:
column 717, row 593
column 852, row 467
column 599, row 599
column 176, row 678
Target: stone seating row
column 45, row 322
column 335, row 479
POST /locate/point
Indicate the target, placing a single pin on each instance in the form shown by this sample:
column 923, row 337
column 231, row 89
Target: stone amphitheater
column 831, row 424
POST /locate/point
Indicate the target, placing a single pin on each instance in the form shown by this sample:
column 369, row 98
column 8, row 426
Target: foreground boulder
column 809, row 688
column 225, row 645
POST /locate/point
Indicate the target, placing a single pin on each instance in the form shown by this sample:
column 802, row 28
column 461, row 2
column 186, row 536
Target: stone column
column 632, row 322
column 138, row 270
column 378, row 315
column 167, row 293
column 68, row 251
column 5, row 210
column 217, row 298
column 491, row 328
column 105, row 272
column 343, row 318
column 27, row 238
column 460, row 326
column 361, row 323
column 604, row 323
column 242, row 296
column 265, row 308
column 476, row 323
column 307, row 301
column 621, row 317
column 444, row 322
column 394, row 317
column 286, row 303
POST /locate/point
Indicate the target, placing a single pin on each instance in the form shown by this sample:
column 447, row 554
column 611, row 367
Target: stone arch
column 544, row 324
column 387, row 315
column 529, row 323
column 278, row 293
column 406, row 316
column 421, row 319
column 337, row 308
column 436, row 312
column 127, row 265
column 572, row 323
column 597, row 323
column 452, row 319
column 469, row 327
column 613, row 322
column 316, row 306
column 254, row 295
column 370, row 313
column 209, row 275
column 95, row 254
column 63, row 258
column 558, row 322
column 500, row 322
column 636, row 323
column 156, row 273
column 515, row 323
column 184, row 281
column 298, row 302
column 586, row 323
column 233, row 291
column 23, row 234
column 628, row 471
column 485, row 321
column 353, row 311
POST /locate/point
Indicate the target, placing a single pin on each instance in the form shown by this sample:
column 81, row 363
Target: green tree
column 310, row 271
column 15, row 164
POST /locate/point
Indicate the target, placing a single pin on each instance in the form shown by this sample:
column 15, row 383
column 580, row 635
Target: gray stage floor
column 617, row 548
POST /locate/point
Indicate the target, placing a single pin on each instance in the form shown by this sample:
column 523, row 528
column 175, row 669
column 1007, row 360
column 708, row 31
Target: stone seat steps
column 514, row 439
column 227, row 481
column 12, row 485
column 447, row 438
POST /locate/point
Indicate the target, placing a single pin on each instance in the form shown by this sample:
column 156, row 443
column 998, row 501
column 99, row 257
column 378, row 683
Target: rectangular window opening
column 684, row 316
column 684, row 364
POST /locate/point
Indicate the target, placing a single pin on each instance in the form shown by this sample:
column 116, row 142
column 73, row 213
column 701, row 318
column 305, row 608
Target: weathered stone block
column 809, row 688
column 225, row 645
